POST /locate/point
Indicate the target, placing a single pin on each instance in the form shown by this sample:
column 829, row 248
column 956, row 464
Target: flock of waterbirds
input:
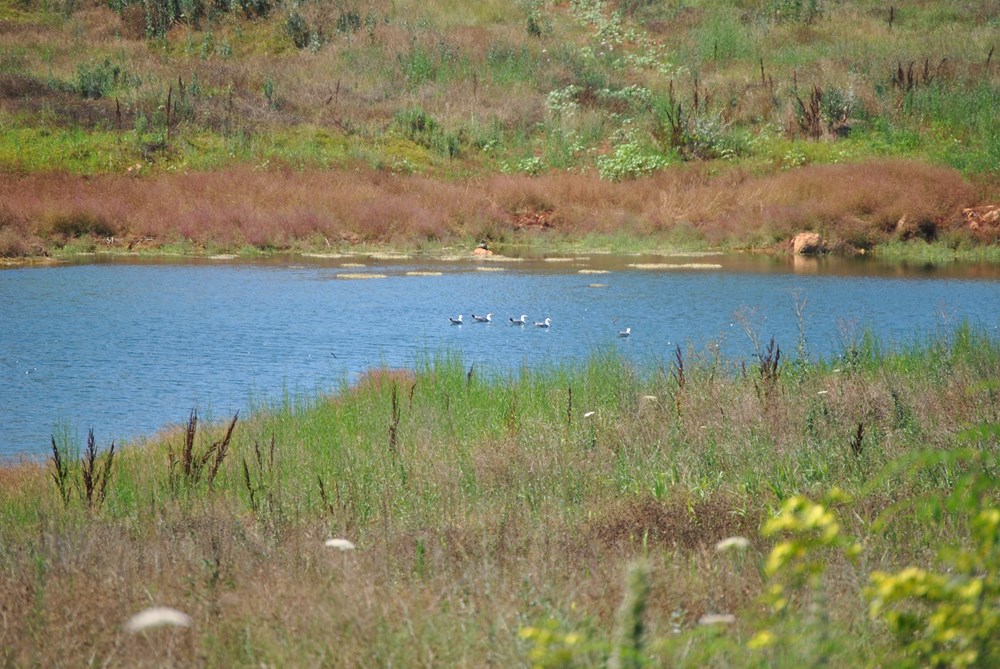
column 523, row 320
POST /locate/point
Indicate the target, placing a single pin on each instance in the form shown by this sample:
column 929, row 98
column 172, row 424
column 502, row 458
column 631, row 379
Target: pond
column 127, row 346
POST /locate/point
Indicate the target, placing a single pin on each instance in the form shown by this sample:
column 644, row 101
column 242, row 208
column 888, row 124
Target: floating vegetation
column 665, row 265
column 390, row 256
column 354, row 264
column 699, row 254
column 223, row 256
column 496, row 258
column 594, row 271
column 598, row 285
column 489, row 269
column 327, row 256
column 564, row 259
column 422, row 273
column 360, row 275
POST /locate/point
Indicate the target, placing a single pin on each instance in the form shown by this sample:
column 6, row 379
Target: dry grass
column 851, row 205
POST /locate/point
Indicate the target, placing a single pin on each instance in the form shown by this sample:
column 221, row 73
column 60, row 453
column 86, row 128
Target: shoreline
column 856, row 209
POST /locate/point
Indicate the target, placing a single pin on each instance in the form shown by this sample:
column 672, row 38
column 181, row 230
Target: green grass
column 505, row 74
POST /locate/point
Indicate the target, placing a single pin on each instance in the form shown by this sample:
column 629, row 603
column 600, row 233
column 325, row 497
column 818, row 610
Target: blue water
column 126, row 348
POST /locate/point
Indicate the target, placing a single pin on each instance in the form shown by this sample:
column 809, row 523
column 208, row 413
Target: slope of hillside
column 631, row 99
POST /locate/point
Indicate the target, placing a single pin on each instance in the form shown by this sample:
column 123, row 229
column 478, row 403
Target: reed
column 188, row 467
column 90, row 478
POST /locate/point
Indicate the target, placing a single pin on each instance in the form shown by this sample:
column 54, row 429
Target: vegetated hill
column 612, row 91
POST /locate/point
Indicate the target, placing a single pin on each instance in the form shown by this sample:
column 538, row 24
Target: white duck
column 544, row 324
column 483, row 319
column 455, row 321
column 624, row 333
column 520, row 321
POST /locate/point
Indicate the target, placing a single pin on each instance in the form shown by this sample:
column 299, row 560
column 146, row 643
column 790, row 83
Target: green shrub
column 796, row 11
column 631, row 160
column 297, row 29
column 420, row 127
column 95, row 80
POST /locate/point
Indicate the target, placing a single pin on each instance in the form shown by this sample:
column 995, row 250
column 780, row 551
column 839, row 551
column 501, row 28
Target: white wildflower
column 341, row 544
column 733, row 543
column 157, row 616
column 717, row 619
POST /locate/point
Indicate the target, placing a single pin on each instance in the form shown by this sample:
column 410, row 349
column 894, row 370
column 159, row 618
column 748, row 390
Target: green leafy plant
column 98, row 79
column 631, row 160
column 950, row 616
column 795, row 567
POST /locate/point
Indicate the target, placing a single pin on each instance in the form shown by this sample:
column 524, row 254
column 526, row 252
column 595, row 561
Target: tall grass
column 851, row 205
column 482, row 505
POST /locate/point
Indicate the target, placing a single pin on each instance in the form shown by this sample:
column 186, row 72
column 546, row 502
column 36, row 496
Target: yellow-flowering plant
column 950, row 617
column 796, row 565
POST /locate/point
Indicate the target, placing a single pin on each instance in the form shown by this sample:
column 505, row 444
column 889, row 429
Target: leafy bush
column 708, row 136
column 631, row 160
column 421, row 128
column 796, row 11
column 297, row 29
column 160, row 15
column 95, row 80
column 348, row 21
column 951, row 617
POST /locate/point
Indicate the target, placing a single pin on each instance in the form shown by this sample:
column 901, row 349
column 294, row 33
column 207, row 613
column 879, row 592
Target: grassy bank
column 856, row 208
column 245, row 115
column 495, row 518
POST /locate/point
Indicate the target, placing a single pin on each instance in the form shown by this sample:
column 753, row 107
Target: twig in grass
column 94, row 476
column 569, row 405
column 325, row 498
column 263, row 484
column 191, row 464
column 768, row 370
column 677, row 371
column 394, row 422
column 678, row 368
column 220, row 448
column 857, row 439
column 95, row 481
column 170, row 93
column 61, row 473
column 810, row 116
